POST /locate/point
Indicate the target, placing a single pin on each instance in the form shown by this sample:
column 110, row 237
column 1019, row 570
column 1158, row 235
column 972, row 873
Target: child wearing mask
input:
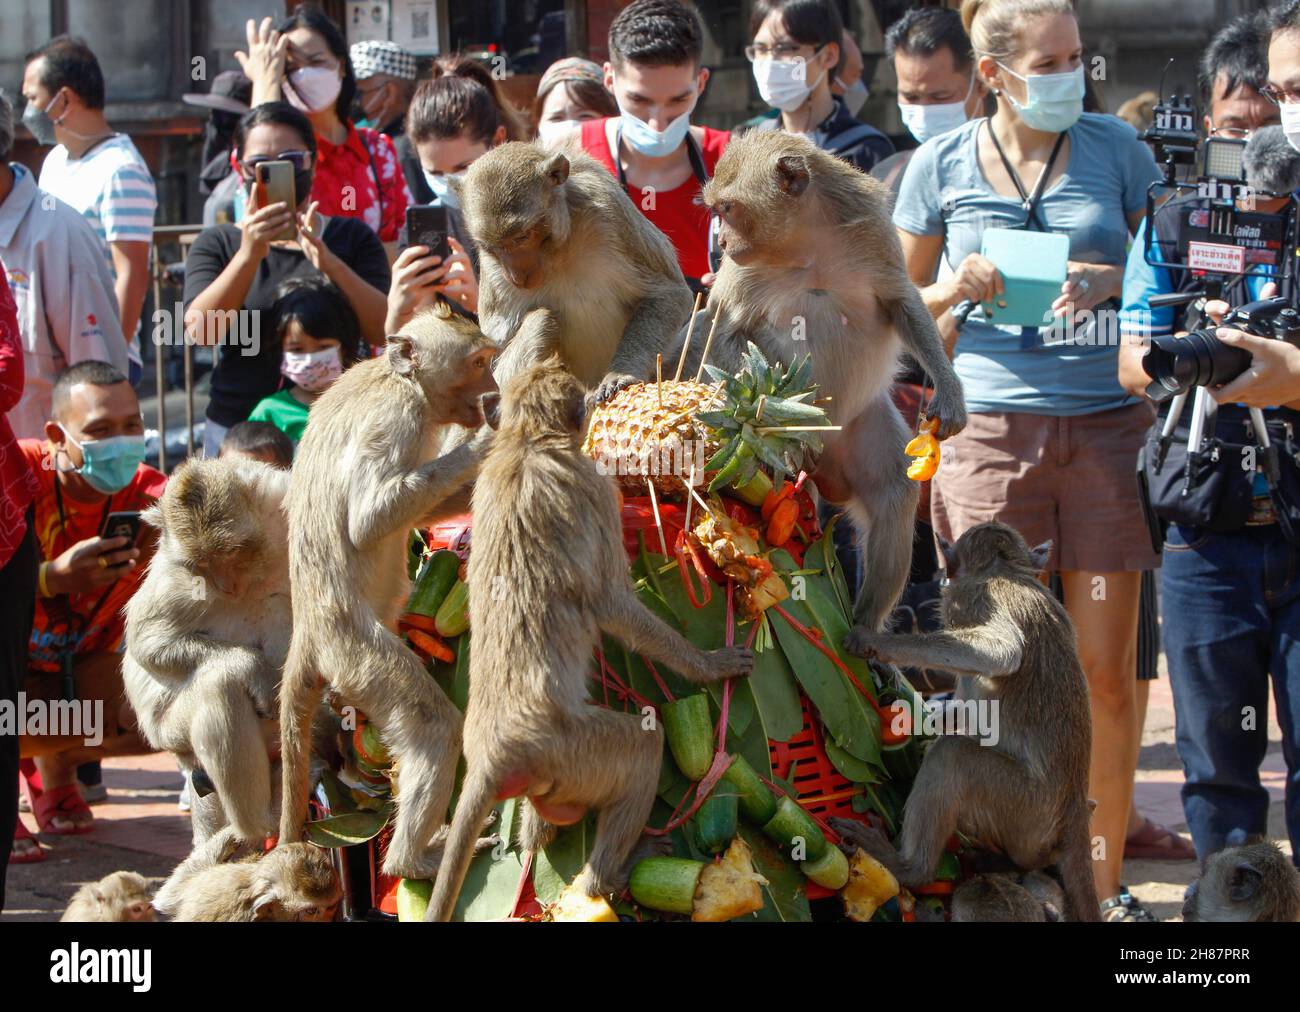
column 320, row 337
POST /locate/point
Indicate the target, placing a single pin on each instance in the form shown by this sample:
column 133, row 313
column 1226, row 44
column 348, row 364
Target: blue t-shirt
column 1048, row 370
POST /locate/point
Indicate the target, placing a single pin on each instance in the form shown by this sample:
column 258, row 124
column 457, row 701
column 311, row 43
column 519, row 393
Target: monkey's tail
column 477, row 796
column 300, row 694
column 1075, row 866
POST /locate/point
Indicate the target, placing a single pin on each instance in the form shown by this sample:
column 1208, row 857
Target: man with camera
column 1220, row 475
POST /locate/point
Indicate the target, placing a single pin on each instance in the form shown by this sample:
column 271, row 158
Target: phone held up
column 124, row 524
column 426, row 225
column 275, row 179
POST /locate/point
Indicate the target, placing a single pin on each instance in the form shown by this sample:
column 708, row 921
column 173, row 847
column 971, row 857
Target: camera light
column 1222, row 159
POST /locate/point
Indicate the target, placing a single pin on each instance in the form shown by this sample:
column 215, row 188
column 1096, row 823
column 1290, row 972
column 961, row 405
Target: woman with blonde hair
column 1052, row 439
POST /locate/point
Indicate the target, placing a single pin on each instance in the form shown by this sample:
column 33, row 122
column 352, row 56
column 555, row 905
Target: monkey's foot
column 862, row 642
column 591, row 883
column 426, row 864
column 951, row 413
column 609, row 386
column 731, row 662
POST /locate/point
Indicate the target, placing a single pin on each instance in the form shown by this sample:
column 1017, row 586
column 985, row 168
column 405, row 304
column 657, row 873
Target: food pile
column 753, row 767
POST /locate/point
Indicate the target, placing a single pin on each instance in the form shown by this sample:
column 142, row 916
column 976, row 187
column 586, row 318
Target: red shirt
column 95, row 624
column 17, row 483
column 677, row 213
column 345, row 183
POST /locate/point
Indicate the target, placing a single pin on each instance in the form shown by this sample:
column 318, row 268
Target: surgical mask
column 441, row 187
column 1291, row 123
column 652, row 143
column 39, row 123
column 552, row 131
column 855, row 96
column 108, row 465
column 312, row 89
column 926, row 121
column 1054, row 102
column 314, row 371
column 783, row 84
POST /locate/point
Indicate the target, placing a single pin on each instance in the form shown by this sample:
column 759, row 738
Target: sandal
column 31, row 852
column 1125, row 907
column 65, row 804
column 1154, row 842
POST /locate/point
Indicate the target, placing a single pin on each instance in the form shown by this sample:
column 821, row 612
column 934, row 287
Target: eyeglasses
column 781, row 51
column 1280, row 96
column 301, row 161
column 1230, row 133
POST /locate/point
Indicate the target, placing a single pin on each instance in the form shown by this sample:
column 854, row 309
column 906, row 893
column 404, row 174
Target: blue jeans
column 1231, row 607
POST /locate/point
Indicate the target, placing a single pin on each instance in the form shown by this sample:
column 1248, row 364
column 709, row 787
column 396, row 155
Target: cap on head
column 379, row 57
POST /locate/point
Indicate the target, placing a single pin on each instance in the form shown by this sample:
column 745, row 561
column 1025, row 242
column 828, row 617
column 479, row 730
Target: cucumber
column 790, row 823
column 715, row 821
column 413, row 898
column 831, row 870
column 666, row 883
column 433, row 583
column 757, row 803
column 368, row 746
column 690, row 734
column 453, row 616
column 756, row 489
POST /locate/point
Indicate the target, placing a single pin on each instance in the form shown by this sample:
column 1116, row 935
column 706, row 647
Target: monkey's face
column 465, row 396
column 520, row 256
column 140, row 910
column 232, row 573
column 759, row 209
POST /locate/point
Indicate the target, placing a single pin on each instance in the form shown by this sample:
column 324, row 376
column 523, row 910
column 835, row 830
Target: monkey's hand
column 731, row 662
column 609, row 386
column 856, row 835
column 950, row 408
column 865, row 643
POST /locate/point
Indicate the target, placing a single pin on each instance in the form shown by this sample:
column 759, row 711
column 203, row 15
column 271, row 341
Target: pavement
column 139, row 827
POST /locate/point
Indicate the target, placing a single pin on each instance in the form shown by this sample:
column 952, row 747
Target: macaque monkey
column 293, row 882
column 1252, row 882
column 1025, row 796
column 207, row 634
column 365, row 475
column 121, row 896
column 1035, row 897
column 813, row 266
column 556, row 230
column 548, row 574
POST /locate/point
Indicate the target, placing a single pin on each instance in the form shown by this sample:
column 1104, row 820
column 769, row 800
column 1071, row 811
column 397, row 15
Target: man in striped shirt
column 97, row 171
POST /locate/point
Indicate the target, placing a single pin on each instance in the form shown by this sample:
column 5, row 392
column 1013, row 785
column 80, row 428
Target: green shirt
column 285, row 412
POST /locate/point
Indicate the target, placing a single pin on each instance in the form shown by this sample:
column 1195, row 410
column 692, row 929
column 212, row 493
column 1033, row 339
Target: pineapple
column 634, row 437
column 729, row 887
column 870, row 886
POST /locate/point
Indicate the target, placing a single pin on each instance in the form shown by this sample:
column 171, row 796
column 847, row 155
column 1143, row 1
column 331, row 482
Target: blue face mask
column 646, row 140
column 108, row 465
column 441, row 187
column 1054, row 102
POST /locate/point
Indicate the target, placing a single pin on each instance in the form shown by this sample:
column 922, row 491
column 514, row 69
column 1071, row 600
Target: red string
column 654, row 673
column 705, row 583
column 780, row 791
column 720, row 763
column 813, row 636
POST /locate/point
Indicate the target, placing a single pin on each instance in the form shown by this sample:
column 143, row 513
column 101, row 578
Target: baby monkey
column 1252, row 882
column 121, row 896
column 293, row 882
column 547, row 575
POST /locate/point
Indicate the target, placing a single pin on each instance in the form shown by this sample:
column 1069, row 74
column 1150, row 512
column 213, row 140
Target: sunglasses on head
column 299, row 159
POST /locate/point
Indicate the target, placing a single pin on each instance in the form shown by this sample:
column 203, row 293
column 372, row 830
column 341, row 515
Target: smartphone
column 427, row 226
column 125, row 524
column 277, row 187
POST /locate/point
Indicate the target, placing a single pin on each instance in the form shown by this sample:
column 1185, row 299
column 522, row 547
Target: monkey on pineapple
column 547, row 575
column 207, row 634
column 1254, row 881
column 121, row 896
column 1012, row 645
column 813, row 266
column 366, row 473
column 555, row 230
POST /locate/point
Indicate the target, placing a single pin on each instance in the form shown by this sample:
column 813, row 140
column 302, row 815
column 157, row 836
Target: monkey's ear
column 1244, row 881
column 792, row 174
column 400, row 352
column 1038, row 556
column 949, row 553
column 264, row 907
column 554, row 168
column 152, row 516
column 577, row 411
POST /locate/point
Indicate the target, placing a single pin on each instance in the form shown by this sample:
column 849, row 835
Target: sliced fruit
column 730, row 887
column 576, row 905
column 870, row 885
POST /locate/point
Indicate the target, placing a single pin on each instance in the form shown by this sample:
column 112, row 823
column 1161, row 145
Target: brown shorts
column 1068, row 479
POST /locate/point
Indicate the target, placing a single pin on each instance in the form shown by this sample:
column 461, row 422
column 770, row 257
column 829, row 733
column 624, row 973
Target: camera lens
column 1197, row 359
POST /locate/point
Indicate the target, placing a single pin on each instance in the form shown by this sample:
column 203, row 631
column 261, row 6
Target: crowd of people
column 994, row 98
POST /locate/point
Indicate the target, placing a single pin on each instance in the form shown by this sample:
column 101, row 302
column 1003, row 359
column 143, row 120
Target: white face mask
column 550, row 132
column 783, row 84
column 855, row 96
column 1291, row 122
column 312, row 89
column 441, row 187
column 314, row 371
column 926, row 121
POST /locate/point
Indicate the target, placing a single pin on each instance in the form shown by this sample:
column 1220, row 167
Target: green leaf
column 561, row 860
column 348, row 829
column 490, row 887
column 337, row 796
column 454, row 677
column 785, row 896
column 776, row 697
column 852, row 768
column 718, row 420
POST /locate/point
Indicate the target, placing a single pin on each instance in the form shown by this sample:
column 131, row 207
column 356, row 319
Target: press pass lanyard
column 1029, row 203
column 70, row 618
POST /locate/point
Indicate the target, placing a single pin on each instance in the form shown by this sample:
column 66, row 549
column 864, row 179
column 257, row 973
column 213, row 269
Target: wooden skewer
column 798, row 428
column 659, row 378
column 708, row 344
column 690, row 485
column 654, row 505
column 703, row 505
column 690, row 332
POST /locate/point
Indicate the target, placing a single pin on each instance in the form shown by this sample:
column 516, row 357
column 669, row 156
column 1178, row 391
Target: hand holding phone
column 276, row 181
column 426, row 225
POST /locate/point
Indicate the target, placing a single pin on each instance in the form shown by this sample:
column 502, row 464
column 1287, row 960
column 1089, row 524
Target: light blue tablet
column 1033, row 266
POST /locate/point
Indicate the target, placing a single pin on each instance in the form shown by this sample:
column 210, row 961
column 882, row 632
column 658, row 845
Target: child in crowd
column 320, row 336
column 258, row 441
column 571, row 92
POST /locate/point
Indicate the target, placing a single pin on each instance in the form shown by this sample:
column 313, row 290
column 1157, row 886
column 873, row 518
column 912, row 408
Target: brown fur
column 295, row 882
column 207, row 634
column 547, row 575
column 813, row 266
column 364, row 476
column 610, row 277
column 1254, row 882
column 1011, row 642
column 121, row 896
